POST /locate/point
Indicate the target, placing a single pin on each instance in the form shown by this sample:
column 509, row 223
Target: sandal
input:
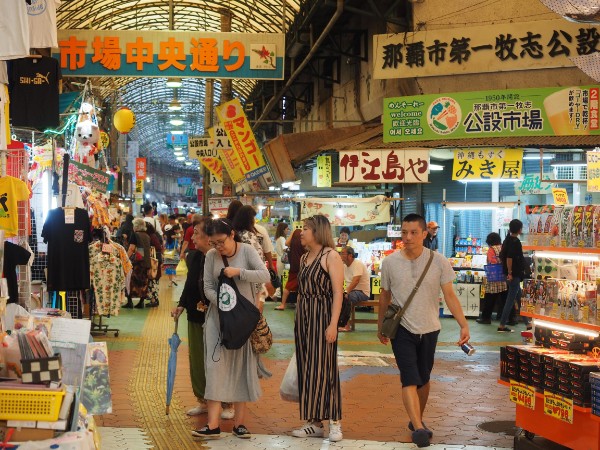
column 279, row 308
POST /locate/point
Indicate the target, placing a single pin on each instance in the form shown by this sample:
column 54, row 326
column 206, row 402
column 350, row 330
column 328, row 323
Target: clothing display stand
column 98, row 328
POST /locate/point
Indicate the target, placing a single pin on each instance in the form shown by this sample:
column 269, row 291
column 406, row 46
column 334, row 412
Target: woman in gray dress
column 231, row 375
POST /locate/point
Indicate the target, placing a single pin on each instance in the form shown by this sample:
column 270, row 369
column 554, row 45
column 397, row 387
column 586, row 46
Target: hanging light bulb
column 174, row 105
column 176, row 122
column 174, row 82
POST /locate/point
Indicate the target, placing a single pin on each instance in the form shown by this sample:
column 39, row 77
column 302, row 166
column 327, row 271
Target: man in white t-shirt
column 416, row 338
column 356, row 276
column 149, row 217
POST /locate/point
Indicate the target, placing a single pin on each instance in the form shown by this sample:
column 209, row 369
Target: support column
column 208, row 122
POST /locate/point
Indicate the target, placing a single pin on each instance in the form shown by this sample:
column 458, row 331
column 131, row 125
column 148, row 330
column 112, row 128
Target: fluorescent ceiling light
column 499, row 180
column 478, row 205
column 568, row 164
column 176, row 122
column 176, row 131
column 566, row 328
column 174, row 105
column 177, row 148
column 436, row 167
column 178, row 153
column 148, row 179
column 188, row 163
column 572, row 256
column 181, row 158
column 537, row 157
column 174, row 82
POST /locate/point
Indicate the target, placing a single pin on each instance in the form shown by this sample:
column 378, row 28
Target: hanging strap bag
column 238, row 316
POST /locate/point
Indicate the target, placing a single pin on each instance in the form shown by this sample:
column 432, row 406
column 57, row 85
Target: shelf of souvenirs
column 541, row 248
column 564, row 322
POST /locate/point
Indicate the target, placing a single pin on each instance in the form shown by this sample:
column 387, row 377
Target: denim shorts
column 414, row 356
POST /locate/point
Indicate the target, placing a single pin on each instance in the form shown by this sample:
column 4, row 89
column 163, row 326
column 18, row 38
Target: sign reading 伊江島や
column 556, row 111
column 384, row 166
column 488, row 48
column 487, row 164
column 170, row 54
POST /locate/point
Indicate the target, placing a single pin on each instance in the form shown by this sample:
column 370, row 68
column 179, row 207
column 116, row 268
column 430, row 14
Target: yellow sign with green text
column 487, row 164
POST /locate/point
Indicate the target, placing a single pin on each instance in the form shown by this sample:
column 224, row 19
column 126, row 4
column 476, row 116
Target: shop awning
column 372, row 138
column 294, row 148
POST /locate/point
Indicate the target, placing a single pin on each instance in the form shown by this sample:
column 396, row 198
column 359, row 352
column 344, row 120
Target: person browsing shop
column 431, row 240
column 416, row 339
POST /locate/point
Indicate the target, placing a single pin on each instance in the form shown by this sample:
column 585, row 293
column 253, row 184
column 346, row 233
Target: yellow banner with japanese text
column 139, row 186
column 323, row 171
column 487, row 164
column 214, row 166
column 521, row 394
column 226, row 154
column 152, row 53
column 558, row 407
column 241, row 137
column 593, row 171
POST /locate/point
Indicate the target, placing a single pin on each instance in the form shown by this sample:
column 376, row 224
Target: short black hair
column 147, row 208
column 493, row 239
column 515, row 226
column 172, row 217
column 345, row 230
column 416, row 218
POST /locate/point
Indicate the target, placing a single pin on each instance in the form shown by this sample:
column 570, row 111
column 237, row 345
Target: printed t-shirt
column 34, row 90
column 14, row 29
column 399, row 276
column 12, row 190
column 68, row 253
column 14, row 255
column 42, row 23
column 357, row 268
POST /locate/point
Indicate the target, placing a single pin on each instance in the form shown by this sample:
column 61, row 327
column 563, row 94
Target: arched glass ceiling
column 150, row 97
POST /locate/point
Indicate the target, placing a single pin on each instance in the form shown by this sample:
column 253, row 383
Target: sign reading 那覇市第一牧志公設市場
column 504, row 47
column 143, row 53
column 557, row 111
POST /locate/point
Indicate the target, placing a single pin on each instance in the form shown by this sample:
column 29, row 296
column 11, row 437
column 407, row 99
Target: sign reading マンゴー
column 142, row 53
column 558, row 111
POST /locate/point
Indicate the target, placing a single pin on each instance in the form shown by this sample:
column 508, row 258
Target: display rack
column 584, row 431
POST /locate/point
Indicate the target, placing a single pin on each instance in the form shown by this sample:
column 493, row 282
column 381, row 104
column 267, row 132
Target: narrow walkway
column 464, row 391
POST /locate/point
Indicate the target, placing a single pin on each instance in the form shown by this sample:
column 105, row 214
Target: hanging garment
column 42, row 23
column 14, row 255
column 34, row 91
column 14, row 29
column 67, row 233
column 108, row 278
column 4, row 116
column 12, row 190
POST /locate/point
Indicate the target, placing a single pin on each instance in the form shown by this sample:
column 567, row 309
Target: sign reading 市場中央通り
column 171, row 54
column 558, row 111
column 488, row 48
column 487, row 164
column 384, row 166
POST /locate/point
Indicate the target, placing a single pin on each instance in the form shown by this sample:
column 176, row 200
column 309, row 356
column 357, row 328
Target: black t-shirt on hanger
column 33, row 89
column 14, row 255
column 68, row 252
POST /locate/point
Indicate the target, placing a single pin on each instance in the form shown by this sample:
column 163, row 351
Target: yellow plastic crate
column 30, row 405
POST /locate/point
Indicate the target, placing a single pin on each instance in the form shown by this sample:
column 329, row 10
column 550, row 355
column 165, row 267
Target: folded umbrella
column 174, row 342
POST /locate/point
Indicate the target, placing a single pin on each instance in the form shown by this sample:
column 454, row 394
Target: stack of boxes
column 595, row 382
column 554, row 370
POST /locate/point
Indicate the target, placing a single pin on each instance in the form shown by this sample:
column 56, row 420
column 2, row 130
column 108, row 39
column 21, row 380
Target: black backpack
column 238, row 316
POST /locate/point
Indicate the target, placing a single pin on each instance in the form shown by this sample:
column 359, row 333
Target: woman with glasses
column 231, row 375
column 320, row 290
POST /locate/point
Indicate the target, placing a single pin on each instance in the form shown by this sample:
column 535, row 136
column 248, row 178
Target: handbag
column 181, row 268
column 288, row 391
column 285, row 257
column 261, row 338
column 275, row 280
column 238, row 316
column 345, row 311
column 153, row 273
column 393, row 315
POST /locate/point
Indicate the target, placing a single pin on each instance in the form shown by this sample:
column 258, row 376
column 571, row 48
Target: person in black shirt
column 513, row 264
column 431, row 241
column 193, row 301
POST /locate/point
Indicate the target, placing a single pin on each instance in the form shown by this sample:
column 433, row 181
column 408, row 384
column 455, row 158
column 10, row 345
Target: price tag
column 558, row 407
column 69, row 215
column 560, row 196
column 521, row 394
column 107, row 248
column 376, row 285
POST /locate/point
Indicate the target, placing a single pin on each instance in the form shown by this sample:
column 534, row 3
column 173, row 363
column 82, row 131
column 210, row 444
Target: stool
column 374, row 303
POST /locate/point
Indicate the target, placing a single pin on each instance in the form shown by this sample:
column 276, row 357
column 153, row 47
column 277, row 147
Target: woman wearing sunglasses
column 231, row 375
column 320, row 290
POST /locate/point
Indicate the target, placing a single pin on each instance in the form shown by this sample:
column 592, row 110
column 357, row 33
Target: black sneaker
column 207, row 433
column 504, row 330
column 421, row 438
column 241, row 432
column 483, row 321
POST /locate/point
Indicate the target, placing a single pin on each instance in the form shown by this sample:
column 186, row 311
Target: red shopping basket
column 494, row 272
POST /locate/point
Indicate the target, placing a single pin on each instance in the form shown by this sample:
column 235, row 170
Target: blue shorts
column 357, row 296
column 414, row 356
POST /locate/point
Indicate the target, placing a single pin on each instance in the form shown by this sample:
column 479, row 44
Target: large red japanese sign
column 384, row 166
column 171, row 54
column 488, row 48
column 241, row 137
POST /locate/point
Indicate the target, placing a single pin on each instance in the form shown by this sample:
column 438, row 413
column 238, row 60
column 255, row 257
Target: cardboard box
column 31, row 434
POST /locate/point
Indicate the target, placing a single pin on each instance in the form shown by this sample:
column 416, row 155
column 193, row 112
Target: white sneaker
column 227, row 413
column 197, row 410
column 335, row 431
column 311, row 429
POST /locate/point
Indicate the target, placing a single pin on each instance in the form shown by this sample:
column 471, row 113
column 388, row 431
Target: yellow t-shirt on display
column 12, row 190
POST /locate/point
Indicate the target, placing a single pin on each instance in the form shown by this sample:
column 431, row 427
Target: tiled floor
column 464, row 390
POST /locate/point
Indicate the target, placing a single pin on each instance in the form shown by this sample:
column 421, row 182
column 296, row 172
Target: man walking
column 416, row 339
column 431, row 240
